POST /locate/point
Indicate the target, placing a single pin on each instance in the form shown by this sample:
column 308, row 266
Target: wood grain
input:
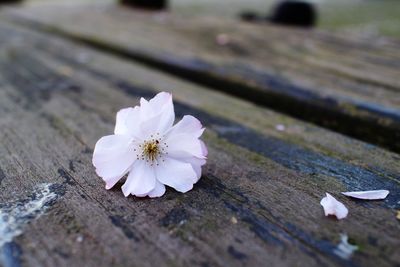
column 334, row 81
column 257, row 203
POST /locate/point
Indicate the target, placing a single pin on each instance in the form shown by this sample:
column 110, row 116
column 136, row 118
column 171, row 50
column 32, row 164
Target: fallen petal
column 222, row 39
column 333, row 207
column 371, row 195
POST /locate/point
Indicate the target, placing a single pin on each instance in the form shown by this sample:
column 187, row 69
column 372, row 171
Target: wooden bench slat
column 257, row 202
column 333, row 81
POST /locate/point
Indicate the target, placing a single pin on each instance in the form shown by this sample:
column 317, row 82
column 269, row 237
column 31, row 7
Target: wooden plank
column 334, row 81
column 257, row 203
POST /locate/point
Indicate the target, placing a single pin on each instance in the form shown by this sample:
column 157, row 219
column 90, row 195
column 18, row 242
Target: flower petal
column 141, row 180
column 177, row 174
column 183, row 139
column 370, row 195
column 188, row 125
column 127, row 122
column 160, row 101
column 196, row 165
column 158, row 191
column 333, row 207
column 184, row 145
column 152, row 126
column 160, row 109
column 112, row 181
column 204, row 148
column 113, row 156
column 146, row 111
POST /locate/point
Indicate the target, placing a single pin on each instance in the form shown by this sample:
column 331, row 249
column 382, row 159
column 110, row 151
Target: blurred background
column 366, row 17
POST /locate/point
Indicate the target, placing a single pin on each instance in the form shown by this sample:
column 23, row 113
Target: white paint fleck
column 182, row 222
column 280, row 127
column 79, row 239
column 234, row 220
column 345, row 250
column 15, row 216
column 83, row 58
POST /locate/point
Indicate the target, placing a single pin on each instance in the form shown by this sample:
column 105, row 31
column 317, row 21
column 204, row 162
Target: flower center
column 151, row 150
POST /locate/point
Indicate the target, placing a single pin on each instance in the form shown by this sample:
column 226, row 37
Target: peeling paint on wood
column 16, row 215
column 344, row 249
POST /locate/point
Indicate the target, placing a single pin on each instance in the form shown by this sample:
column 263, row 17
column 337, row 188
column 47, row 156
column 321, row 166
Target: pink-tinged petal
column 369, row 195
column 113, row 156
column 176, row 174
column 141, row 180
column 184, row 145
column 158, row 191
column 163, row 106
column 152, row 126
column 204, row 148
column 111, row 182
column 146, row 111
column 149, row 127
column 188, row 125
column 162, row 100
column 196, row 165
column 160, row 109
column 167, row 119
column 120, row 124
column 128, row 121
column 333, row 207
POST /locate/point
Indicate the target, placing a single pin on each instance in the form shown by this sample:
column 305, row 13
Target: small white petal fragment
column 15, row 216
column 222, row 39
column 344, row 250
column 333, row 207
column 368, row 195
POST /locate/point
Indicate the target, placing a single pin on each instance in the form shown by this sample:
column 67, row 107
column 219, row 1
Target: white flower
column 152, row 151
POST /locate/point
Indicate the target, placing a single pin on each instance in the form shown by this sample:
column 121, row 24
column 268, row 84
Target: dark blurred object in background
column 296, row 13
column 147, row 4
column 10, row 1
column 287, row 12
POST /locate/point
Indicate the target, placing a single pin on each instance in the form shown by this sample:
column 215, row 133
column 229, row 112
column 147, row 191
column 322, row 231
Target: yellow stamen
column 151, row 150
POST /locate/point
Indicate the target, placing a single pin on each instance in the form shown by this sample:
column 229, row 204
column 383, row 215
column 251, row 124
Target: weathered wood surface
column 334, row 81
column 257, row 203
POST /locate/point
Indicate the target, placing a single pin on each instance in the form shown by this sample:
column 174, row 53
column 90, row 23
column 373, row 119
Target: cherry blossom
column 151, row 150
